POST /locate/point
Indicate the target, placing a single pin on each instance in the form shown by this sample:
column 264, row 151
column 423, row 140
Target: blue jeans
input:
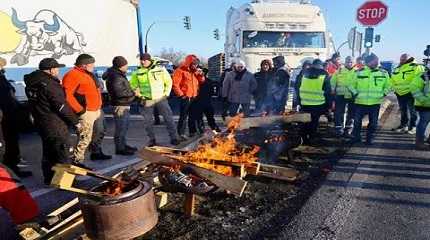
column 339, row 114
column 360, row 112
column 121, row 115
column 422, row 125
column 408, row 116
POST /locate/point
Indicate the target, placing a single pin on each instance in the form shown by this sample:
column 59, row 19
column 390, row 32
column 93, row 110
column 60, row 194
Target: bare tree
column 172, row 55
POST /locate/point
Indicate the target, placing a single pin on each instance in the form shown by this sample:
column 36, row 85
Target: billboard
column 63, row 29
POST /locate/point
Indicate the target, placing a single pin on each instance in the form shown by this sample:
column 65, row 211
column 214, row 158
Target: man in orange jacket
column 186, row 83
column 83, row 95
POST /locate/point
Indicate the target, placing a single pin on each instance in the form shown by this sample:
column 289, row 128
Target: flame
column 223, row 149
column 115, row 189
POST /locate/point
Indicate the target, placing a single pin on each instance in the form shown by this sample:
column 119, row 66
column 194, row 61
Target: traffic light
column 368, row 37
column 377, row 38
column 187, row 22
column 216, row 34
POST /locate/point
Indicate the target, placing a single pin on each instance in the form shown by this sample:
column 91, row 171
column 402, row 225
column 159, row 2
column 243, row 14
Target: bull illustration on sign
column 46, row 32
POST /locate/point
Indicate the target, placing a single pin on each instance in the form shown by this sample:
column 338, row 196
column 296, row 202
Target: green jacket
column 420, row 89
column 403, row 75
column 153, row 83
column 340, row 81
column 369, row 87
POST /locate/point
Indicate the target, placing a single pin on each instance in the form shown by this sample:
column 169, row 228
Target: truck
column 62, row 29
column 263, row 29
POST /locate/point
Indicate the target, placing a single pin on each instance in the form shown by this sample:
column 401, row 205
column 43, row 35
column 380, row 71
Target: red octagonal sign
column 372, row 13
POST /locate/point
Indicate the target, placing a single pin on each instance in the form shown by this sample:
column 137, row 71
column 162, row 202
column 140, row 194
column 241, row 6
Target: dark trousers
column 196, row 117
column 360, row 111
column 12, row 155
column 339, row 114
column 422, row 125
column 234, row 107
column 56, row 149
column 408, row 117
column 310, row 129
column 184, row 112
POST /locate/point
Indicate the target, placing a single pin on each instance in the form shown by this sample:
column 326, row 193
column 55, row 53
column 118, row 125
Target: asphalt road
column 377, row 192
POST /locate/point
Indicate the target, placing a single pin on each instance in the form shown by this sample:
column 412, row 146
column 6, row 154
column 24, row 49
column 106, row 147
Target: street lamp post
column 139, row 24
column 146, row 36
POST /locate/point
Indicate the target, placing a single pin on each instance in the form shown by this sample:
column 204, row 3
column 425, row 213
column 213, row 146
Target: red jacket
column 187, row 82
column 80, row 83
column 15, row 198
column 331, row 68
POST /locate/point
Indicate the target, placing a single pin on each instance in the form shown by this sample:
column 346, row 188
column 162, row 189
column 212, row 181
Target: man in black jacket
column 281, row 84
column 203, row 105
column 52, row 115
column 9, row 106
column 122, row 96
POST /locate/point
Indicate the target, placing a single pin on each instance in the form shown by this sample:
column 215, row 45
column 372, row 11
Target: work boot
column 412, row 131
column 175, row 142
column 100, row 156
column 131, row 148
column 420, row 145
column 152, row 143
column 20, row 173
column 400, row 129
column 183, row 138
column 125, row 152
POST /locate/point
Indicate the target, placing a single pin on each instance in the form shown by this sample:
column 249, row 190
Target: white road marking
column 43, row 191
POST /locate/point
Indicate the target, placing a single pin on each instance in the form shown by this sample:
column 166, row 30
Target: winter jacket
column 185, row 81
column 82, row 90
column 314, row 73
column 205, row 94
column 15, row 198
column 281, row 79
column 153, row 83
column 370, row 86
column 264, row 84
column 48, row 102
column 118, row 87
column 403, row 75
column 239, row 91
column 420, row 89
column 8, row 103
column 331, row 68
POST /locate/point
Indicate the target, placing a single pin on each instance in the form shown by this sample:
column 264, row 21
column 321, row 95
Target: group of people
column 359, row 90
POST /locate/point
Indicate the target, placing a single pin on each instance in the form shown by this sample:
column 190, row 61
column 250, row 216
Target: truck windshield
column 254, row 39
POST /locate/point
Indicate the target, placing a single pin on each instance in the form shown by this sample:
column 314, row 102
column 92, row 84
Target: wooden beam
column 246, row 123
column 189, row 204
column 232, row 184
column 277, row 172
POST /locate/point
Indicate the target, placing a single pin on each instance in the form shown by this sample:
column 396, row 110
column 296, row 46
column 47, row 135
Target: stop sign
column 372, row 13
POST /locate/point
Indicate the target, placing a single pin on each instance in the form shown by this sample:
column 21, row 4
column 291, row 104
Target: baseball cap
column 49, row 63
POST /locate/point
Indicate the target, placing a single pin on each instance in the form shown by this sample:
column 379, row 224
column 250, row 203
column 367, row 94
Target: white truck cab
column 264, row 29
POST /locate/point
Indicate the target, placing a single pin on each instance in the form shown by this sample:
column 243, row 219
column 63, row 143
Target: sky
column 404, row 30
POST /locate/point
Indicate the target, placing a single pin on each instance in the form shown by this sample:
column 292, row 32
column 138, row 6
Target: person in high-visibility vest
column 420, row 89
column 401, row 78
column 369, row 87
column 314, row 91
column 339, row 82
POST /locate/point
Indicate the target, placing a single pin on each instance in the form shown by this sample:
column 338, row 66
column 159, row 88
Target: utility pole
column 136, row 4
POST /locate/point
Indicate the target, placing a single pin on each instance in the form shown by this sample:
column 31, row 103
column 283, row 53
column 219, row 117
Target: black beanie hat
column 119, row 61
column 84, row 59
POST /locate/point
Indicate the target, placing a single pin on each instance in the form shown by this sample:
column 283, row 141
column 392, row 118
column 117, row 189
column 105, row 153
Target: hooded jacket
column 185, row 81
column 48, row 102
column 118, row 87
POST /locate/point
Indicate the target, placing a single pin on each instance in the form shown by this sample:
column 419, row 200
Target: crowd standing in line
column 352, row 90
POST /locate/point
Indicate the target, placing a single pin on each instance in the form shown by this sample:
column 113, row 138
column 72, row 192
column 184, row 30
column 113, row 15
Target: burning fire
column 115, row 189
column 223, row 149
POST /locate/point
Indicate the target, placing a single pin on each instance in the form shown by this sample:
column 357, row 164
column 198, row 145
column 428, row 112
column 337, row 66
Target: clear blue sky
column 405, row 30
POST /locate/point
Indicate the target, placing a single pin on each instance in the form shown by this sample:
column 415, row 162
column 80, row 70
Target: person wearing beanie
column 121, row 97
column 84, row 96
column 369, row 87
column 152, row 85
column 238, row 87
column 313, row 97
column 280, row 86
column 339, row 82
column 53, row 117
column 400, row 80
column 9, row 107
